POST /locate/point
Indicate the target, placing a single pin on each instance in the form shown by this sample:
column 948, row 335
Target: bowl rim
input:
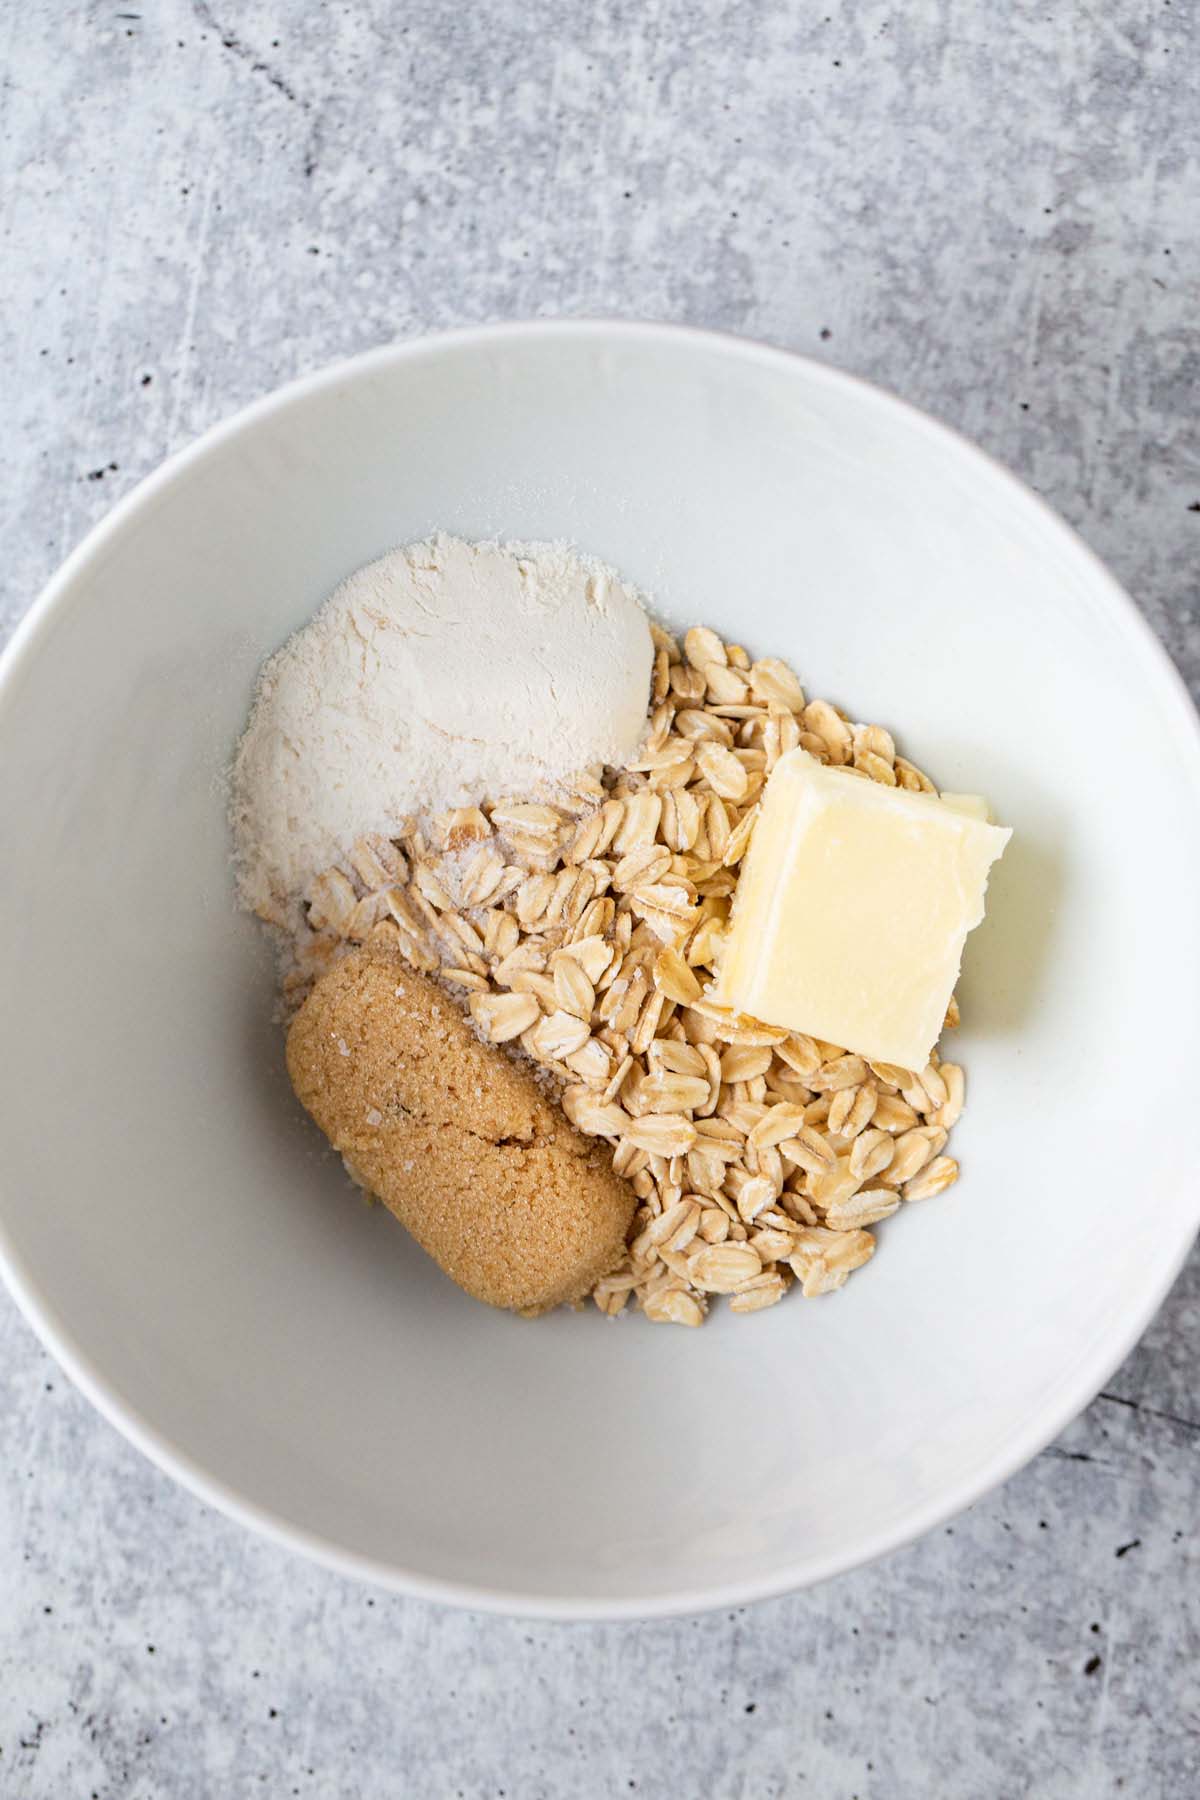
column 1063, row 1403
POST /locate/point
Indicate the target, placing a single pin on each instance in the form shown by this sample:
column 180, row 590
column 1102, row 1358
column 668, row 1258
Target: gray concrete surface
column 993, row 210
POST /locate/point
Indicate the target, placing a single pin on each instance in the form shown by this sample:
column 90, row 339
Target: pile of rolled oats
column 584, row 933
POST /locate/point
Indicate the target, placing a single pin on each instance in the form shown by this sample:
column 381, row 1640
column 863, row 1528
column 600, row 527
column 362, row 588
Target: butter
column 972, row 806
column 852, row 909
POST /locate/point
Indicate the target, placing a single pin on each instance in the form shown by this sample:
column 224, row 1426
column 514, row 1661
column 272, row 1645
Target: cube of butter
column 852, row 908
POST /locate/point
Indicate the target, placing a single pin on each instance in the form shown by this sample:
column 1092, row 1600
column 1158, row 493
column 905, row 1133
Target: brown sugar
column 457, row 1140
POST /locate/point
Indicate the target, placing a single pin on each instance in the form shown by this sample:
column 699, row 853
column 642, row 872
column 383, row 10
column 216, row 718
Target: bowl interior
column 175, row 1226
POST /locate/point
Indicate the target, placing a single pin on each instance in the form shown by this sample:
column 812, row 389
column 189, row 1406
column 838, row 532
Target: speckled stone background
column 992, row 209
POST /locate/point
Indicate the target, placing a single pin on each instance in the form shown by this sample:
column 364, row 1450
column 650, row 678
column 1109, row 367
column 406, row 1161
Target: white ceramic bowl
column 170, row 1223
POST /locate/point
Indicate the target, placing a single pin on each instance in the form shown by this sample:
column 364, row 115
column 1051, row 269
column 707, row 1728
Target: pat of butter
column 972, row 806
column 852, row 908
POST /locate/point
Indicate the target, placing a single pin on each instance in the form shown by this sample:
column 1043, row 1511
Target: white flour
column 444, row 673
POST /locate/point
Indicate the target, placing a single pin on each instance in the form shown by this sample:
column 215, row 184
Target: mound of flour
column 447, row 672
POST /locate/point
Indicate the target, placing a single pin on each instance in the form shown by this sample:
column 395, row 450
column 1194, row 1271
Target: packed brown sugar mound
column 457, row 1140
